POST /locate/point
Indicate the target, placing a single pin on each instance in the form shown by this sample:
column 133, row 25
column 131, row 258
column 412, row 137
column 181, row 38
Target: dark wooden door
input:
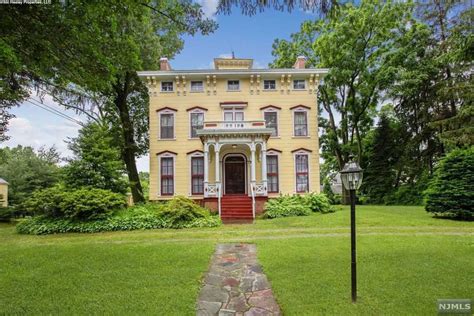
column 235, row 175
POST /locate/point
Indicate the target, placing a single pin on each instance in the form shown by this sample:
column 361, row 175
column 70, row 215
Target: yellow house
column 3, row 193
column 233, row 136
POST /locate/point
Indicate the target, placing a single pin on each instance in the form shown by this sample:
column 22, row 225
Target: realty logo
column 454, row 306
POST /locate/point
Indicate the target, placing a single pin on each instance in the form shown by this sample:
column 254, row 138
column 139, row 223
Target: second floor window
column 167, row 86
column 197, row 122
column 299, row 84
column 301, row 123
column 269, row 84
column 233, row 85
column 272, row 173
column 167, row 126
column 271, row 121
column 197, row 86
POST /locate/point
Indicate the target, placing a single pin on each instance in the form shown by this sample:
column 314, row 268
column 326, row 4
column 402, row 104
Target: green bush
column 297, row 205
column 451, row 192
column 6, row 213
column 77, row 204
column 176, row 213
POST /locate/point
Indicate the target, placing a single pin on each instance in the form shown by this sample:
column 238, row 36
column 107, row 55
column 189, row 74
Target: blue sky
column 248, row 37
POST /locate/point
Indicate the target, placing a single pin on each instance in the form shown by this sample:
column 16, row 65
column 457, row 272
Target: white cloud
column 209, row 7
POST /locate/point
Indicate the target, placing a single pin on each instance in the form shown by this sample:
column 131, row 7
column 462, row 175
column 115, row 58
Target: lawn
column 407, row 260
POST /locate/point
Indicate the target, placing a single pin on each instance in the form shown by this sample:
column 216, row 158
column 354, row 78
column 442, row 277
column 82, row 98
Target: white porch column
column 252, row 168
column 206, row 164
column 264, row 165
column 218, row 180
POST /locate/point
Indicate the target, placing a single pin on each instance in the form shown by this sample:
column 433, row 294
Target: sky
column 247, row 37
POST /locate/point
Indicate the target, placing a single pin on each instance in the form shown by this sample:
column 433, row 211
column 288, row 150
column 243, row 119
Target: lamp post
column 351, row 176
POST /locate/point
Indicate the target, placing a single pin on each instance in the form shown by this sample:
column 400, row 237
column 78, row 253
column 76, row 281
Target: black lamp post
column 351, row 176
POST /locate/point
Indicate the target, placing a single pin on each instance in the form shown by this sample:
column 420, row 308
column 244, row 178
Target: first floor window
column 302, row 183
column 301, row 123
column 269, row 84
column 197, row 122
column 167, row 86
column 271, row 121
column 167, row 126
column 272, row 173
column 167, row 176
column 299, row 84
column 197, row 175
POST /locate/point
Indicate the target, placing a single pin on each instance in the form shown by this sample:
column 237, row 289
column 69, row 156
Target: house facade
column 233, row 136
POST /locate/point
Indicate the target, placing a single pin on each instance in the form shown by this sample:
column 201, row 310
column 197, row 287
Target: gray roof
column 3, row 181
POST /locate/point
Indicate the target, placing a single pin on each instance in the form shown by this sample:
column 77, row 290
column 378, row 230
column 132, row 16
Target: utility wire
column 39, row 103
column 57, row 113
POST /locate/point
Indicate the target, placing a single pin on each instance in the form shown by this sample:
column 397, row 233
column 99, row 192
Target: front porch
column 235, row 167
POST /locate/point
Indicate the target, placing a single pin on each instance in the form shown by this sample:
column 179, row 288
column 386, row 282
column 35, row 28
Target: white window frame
column 196, row 154
column 263, row 87
column 277, row 154
column 233, row 110
column 167, row 154
column 167, row 91
column 195, row 111
column 299, row 89
column 174, row 124
column 191, row 86
column 300, row 109
column 232, row 90
column 273, row 110
column 308, row 154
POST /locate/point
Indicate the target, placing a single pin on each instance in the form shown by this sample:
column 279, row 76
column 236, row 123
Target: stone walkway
column 235, row 284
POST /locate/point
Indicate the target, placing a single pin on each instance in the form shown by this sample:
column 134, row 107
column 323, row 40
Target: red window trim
column 306, row 173
column 274, row 174
column 198, row 175
column 162, row 177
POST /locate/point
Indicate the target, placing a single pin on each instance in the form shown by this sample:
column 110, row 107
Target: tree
column 356, row 44
column 92, row 66
column 451, row 193
column 27, row 170
column 97, row 162
column 250, row 7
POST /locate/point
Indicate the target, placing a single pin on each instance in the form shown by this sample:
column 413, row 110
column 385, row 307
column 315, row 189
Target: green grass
column 406, row 260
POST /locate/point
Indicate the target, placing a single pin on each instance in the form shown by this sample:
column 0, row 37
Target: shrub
column 79, row 204
column 177, row 213
column 451, row 192
column 297, row 205
column 6, row 214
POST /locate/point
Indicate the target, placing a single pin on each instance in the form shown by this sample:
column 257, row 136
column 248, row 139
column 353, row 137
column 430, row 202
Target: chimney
column 164, row 64
column 300, row 62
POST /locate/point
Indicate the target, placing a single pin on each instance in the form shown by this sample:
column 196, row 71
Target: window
column 271, row 120
column 197, row 122
column 197, row 86
column 233, row 85
column 167, row 86
column 269, row 84
column 301, row 162
column 301, row 123
column 299, row 84
column 197, row 175
column 167, row 176
column 167, row 126
column 231, row 115
column 272, row 173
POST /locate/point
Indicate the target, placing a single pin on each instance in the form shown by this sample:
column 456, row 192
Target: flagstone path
column 236, row 285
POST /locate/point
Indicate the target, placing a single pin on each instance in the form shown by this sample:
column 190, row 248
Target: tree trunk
column 129, row 146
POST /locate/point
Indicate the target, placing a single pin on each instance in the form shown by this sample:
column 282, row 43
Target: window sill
column 166, row 92
column 301, row 136
column 165, row 139
column 299, row 89
column 275, row 137
column 270, row 90
column 234, row 90
column 193, row 138
column 202, row 91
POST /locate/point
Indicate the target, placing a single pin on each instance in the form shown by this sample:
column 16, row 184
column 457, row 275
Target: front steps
column 236, row 208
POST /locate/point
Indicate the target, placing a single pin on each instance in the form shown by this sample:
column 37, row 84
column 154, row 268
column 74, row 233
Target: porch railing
column 233, row 125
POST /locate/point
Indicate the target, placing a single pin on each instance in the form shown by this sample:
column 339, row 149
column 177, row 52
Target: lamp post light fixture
column 351, row 176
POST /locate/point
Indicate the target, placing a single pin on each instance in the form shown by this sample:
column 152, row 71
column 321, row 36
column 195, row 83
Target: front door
column 234, row 175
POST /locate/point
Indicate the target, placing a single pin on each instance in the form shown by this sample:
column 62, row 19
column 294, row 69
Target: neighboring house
column 233, row 136
column 3, row 193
